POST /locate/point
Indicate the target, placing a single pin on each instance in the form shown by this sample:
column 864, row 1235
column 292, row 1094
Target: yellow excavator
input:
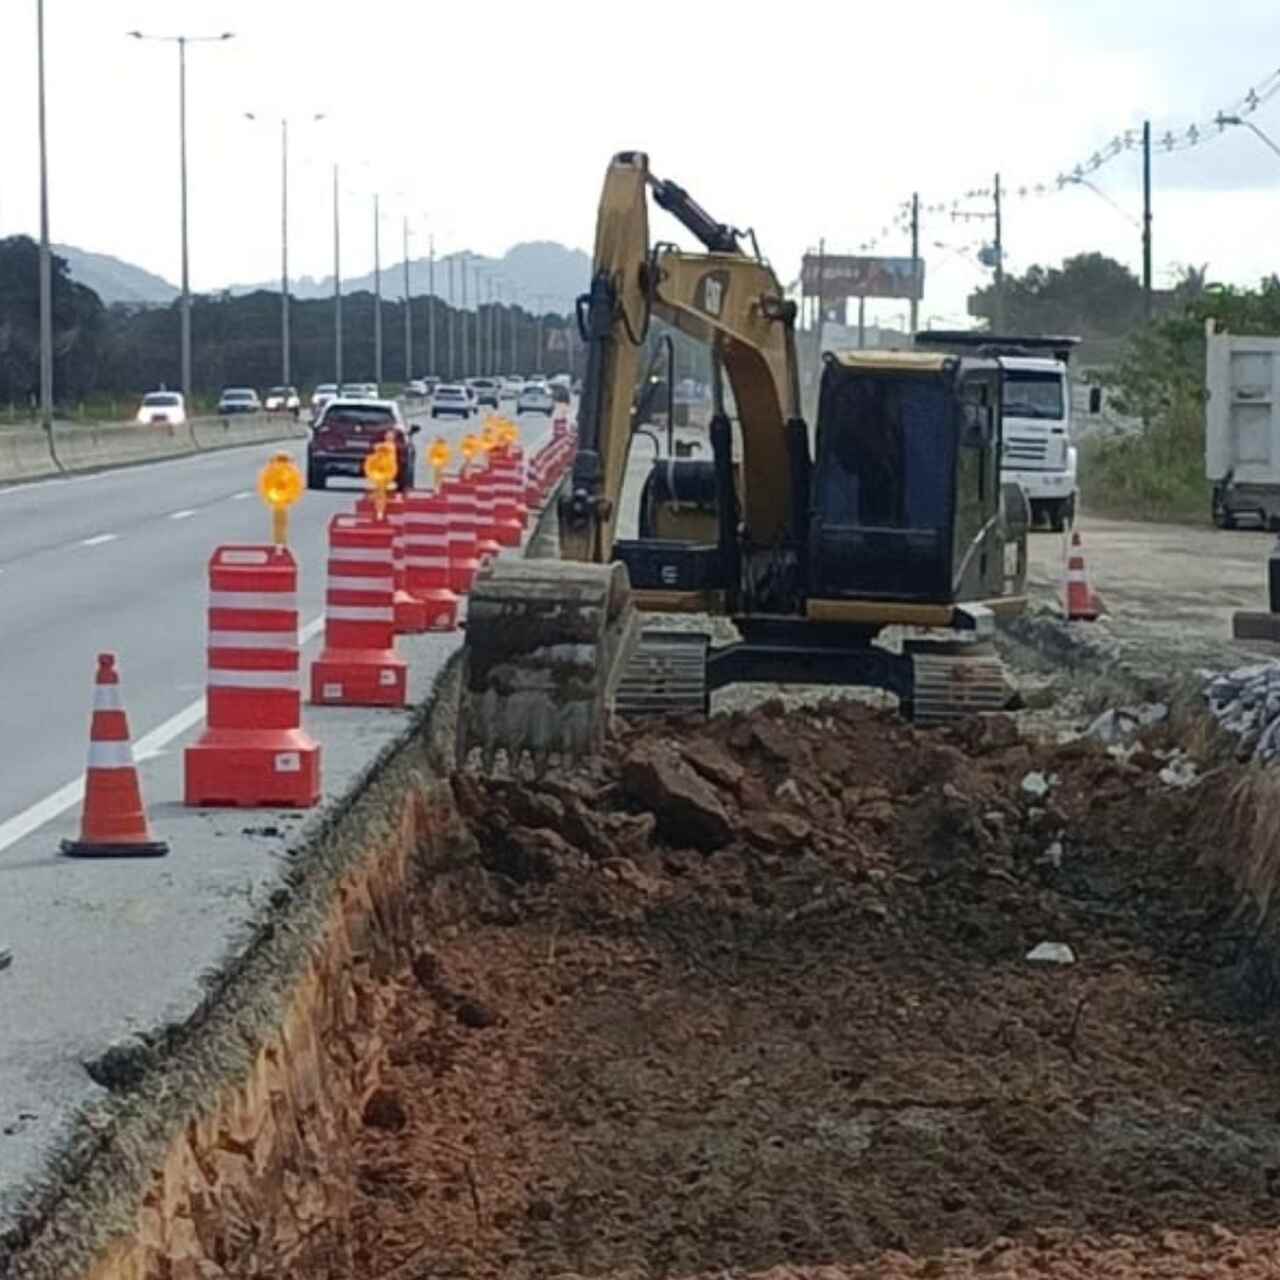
column 890, row 514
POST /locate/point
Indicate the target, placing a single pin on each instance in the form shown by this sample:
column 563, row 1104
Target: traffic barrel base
column 358, row 666
column 114, row 822
column 252, row 769
column 253, row 753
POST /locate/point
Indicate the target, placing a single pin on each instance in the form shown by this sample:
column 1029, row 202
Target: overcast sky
column 491, row 122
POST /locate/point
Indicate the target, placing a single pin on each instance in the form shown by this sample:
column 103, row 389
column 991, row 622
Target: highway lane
column 118, row 561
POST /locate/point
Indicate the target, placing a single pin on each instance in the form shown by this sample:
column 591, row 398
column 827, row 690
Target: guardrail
column 31, row 453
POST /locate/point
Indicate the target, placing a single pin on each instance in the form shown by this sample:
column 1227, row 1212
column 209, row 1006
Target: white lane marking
column 242, row 495
column 148, row 746
column 99, row 539
column 182, row 515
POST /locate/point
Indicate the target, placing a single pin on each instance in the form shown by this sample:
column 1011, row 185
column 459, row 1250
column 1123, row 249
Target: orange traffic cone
column 114, row 823
column 1082, row 604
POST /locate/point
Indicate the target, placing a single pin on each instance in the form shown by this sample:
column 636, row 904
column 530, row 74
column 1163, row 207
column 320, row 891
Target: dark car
column 239, row 400
column 345, row 434
column 488, row 390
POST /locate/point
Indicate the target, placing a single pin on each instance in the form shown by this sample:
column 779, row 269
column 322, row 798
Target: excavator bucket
column 547, row 642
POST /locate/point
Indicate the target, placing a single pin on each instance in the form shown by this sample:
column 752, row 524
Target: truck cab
column 1037, row 453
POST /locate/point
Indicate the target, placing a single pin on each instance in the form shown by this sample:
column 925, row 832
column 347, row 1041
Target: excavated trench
column 752, row 997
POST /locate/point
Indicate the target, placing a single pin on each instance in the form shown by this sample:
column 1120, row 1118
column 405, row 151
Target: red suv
column 345, row 434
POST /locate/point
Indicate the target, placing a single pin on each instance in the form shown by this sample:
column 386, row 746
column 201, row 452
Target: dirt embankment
column 756, row 995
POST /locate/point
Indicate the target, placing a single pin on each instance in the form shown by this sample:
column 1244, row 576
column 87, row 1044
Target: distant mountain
column 545, row 274
column 113, row 280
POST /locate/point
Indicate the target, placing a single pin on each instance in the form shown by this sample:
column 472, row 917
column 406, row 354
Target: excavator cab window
column 883, row 484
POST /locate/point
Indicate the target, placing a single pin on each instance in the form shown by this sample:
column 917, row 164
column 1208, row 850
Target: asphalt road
column 117, row 561
column 1168, row 590
column 106, row 950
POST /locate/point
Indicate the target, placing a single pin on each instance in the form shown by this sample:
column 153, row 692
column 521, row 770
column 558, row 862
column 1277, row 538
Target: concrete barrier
column 24, row 454
column 92, row 447
column 96, row 446
column 239, row 429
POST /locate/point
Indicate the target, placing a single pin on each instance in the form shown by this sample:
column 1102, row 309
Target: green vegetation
column 106, row 357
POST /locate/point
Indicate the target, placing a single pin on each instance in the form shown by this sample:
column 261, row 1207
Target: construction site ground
column 755, row 996
column 760, row 996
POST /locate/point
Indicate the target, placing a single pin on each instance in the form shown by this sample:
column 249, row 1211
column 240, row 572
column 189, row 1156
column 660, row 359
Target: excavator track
column 667, row 675
column 954, row 680
column 547, row 642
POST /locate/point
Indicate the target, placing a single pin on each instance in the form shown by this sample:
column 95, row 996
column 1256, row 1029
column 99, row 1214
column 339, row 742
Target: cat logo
column 710, row 293
column 670, row 575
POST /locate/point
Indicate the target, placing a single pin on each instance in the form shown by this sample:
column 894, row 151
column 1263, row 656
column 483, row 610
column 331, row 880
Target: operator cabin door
column 978, row 554
column 884, row 487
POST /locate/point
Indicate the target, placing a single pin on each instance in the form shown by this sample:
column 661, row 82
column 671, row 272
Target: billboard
column 849, row 276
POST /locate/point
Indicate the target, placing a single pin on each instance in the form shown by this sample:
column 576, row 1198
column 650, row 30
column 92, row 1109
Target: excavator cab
column 905, row 495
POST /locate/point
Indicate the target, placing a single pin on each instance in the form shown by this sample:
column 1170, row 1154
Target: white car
column 415, row 389
column 451, row 398
column 322, row 394
column 162, row 408
column 511, row 388
column 282, row 400
column 535, row 398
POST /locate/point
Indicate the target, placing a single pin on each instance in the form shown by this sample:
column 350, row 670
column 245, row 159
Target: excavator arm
column 547, row 639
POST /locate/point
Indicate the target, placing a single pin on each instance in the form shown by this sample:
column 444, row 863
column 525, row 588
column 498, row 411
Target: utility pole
column 915, row 257
column 540, row 301
column 377, row 295
column 408, row 309
column 999, row 326
column 46, row 260
column 451, row 323
column 337, row 287
column 463, row 355
column 822, row 288
column 431, row 306
column 182, row 42
column 284, row 251
column 1146, row 219
column 479, row 335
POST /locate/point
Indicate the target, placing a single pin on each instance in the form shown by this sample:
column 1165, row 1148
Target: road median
column 31, row 453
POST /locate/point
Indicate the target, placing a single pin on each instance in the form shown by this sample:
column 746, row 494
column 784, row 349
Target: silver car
column 535, row 397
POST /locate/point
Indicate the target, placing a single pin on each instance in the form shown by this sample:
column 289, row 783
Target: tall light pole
column 377, row 292
column 285, row 362
column 451, row 322
column 408, row 309
column 337, row 287
column 182, row 42
column 431, row 306
column 1222, row 121
column 46, row 261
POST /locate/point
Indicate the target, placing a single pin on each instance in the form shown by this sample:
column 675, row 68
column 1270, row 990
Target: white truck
column 1037, row 452
column 1242, row 428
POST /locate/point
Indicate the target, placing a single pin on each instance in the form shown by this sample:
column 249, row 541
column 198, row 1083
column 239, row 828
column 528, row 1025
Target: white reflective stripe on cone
column 340, row 582
column 427, row 562
column 253, row 639
column 367, row 555
column 283, row 600
column 221, row 679
column 106, row 697
column 358, row 613
column 110, row 755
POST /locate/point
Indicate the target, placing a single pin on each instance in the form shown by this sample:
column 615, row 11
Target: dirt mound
column 756, row 994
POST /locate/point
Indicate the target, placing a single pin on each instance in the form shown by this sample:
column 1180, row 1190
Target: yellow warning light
column 509, row 432
column 470, row 447
column 280, row 486
column 438, row 456
column 380, row 469
column 489, row 437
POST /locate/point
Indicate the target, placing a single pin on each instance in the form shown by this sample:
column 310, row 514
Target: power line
column 1127, row 140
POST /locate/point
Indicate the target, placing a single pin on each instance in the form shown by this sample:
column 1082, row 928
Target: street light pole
column 286, row 362
column 182, row 42
column 431, row 306
column 46, row 261
column 1222, row 121
column 377, row 295
column 408, row 309
column 337, row 287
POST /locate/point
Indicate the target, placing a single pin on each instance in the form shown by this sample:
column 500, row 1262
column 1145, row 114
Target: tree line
column 125, row 349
